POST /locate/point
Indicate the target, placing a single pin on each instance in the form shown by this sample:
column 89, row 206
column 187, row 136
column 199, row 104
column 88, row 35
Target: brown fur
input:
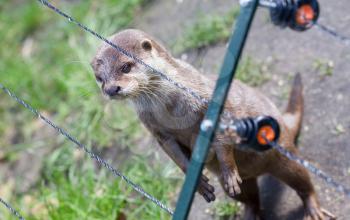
column 174, row 117
column 294, row 112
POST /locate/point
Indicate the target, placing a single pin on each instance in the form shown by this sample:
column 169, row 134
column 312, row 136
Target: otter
column 173, row 117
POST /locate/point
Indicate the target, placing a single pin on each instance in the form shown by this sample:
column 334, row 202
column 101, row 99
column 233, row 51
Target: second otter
column 174, row 116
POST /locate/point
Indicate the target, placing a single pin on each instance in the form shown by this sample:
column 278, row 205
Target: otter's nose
column 113, row 90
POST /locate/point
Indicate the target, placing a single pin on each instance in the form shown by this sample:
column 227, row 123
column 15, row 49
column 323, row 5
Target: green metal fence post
column 210, row 122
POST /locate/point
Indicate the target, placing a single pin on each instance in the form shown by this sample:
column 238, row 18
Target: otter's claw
column 314, row 212
column 330, row 215
column 231, row 182
column 206, row 190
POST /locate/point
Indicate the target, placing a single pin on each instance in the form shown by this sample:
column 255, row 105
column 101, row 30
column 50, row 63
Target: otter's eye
column 99, row 79
column 99, row 62
column 126, row 68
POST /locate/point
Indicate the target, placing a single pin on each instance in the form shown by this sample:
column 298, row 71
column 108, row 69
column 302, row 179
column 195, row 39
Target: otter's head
column 122, row 77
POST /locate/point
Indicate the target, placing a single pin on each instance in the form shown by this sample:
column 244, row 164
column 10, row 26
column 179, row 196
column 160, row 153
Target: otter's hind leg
column 297, row 177
column 249, row 196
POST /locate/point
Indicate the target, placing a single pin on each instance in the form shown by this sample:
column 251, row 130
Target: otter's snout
column 112, row 90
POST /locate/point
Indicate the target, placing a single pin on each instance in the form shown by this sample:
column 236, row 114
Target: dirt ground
column 326, row 127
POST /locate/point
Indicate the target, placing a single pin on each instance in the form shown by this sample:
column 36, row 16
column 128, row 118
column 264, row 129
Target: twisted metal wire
column 124, row 52
column 333, row 33
column 11, row 209
column 325, row 29
column 226, row 116
column 313, row 169
column 85, row 149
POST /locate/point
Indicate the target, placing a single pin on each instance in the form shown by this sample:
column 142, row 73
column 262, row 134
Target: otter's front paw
column 206, row 190
column 232, row 180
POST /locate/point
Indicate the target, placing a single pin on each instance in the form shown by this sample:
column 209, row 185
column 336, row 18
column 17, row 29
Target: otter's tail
column 294, row 112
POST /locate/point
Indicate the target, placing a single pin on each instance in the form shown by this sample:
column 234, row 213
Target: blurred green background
column 45, row 61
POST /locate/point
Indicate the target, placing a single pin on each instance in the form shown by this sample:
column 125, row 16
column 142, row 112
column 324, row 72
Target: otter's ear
column 96, row 63
column 146, row 45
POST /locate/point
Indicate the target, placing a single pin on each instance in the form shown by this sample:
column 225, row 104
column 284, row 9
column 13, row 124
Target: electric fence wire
column 81, row 146
column 319, row 173
column 123, row 51
column 323, row 28
column 226, row 115
column 333, row 33
column 11, row 209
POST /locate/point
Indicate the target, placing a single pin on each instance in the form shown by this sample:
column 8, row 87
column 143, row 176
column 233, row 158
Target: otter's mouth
column 119, row 97
column 116, row 97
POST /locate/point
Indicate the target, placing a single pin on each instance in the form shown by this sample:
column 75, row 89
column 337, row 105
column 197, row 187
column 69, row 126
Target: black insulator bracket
column 299, row 15
column 257, row 133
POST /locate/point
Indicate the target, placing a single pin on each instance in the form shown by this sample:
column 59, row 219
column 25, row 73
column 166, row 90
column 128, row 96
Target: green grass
column 211, row 29
column 45, row 60
column 54, row 74
column 81, row 194
column 207, row 30
column 224, row 209
column 324, row 67
column 73, row 189
column 252, row 72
